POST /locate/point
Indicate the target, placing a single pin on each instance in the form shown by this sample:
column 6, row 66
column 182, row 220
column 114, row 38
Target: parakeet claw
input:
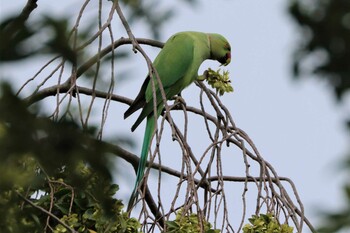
column 204, row 76
column 179, row 100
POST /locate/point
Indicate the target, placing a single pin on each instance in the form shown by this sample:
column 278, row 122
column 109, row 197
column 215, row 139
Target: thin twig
column 46, row 212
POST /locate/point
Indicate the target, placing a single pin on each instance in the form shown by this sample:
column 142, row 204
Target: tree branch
column 27, row 10
column 18, row 22
column 64, row 87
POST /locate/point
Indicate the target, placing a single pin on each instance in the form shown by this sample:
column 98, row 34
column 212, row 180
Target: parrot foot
column 204, row 76
column 179, row 100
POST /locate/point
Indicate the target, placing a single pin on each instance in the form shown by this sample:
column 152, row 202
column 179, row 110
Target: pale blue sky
column 296, row 126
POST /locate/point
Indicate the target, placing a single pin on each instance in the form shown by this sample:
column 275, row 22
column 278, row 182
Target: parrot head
column 220, row 49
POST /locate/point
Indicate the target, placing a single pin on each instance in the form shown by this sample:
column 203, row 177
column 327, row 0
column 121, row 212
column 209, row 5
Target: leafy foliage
column 88, row 214
column 189, row 223
column 325, row 28
column 266, row 223
column 220, row 82
column 54, row 173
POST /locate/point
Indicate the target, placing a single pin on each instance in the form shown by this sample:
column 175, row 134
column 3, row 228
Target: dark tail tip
column 133, row 128
column 127, row 113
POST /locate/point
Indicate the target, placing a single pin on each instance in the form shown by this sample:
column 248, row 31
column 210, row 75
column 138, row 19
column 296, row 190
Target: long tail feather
column 143, row 159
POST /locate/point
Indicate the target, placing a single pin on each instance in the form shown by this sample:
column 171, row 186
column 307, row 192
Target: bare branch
column 39, row 95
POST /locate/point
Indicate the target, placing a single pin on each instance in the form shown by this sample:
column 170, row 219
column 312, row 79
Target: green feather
column 143, row 159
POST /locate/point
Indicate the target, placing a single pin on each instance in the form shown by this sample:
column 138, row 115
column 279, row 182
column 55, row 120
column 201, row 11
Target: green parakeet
column 177, row 65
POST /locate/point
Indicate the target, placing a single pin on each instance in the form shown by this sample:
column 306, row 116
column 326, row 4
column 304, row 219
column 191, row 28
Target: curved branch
column 66, row 86
column 109, row 48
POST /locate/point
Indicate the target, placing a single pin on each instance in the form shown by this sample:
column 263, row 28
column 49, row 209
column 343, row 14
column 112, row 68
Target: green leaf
column 188, row 223
column 265, row 223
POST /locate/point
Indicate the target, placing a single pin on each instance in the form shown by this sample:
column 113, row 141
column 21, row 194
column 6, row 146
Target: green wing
column 172, row 64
